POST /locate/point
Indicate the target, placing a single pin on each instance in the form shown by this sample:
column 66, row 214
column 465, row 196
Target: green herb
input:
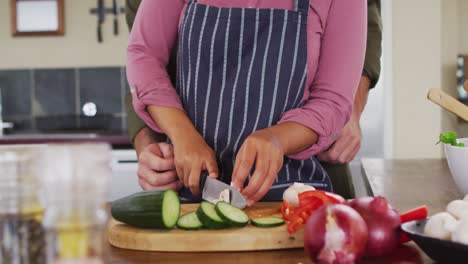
column 450, row 138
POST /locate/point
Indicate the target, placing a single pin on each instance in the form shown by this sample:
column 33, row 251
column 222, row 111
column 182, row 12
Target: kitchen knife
column 212, row 189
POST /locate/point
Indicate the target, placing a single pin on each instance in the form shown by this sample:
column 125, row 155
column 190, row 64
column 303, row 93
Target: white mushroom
column 291, row 195
column 458, row 208
column 460, row 234
column 440, row 226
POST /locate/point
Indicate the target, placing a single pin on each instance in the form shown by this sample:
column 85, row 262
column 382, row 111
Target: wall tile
column 15, row 88
column 101, row 86
column 54, row 92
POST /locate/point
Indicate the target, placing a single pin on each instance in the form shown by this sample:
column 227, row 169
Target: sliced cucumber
column 208, row 216
column 189, row 221
column 232, row 215
column 267, row 222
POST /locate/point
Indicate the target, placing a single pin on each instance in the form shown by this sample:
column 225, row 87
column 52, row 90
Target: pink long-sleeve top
column 336, row 48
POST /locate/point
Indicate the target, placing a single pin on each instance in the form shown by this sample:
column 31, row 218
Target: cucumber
column 148, row 209
column 267, row 222
column 189, row 221
column 232, row 215
column 208, row 216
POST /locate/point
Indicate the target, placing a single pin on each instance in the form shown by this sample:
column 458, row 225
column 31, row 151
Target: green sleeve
column 374, row 42
column 135, row 124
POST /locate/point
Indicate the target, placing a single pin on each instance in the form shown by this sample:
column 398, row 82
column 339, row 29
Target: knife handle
column 203, row 177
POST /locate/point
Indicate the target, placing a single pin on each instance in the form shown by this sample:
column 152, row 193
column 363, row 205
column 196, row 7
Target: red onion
column 383, row 223
column 335, row 234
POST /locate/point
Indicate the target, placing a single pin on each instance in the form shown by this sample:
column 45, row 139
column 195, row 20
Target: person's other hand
column 346, row 146
column 263, row 150
column 156, row 169
column 192, row 156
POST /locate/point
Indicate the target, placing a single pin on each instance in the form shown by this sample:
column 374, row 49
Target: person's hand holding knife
column 192, row 155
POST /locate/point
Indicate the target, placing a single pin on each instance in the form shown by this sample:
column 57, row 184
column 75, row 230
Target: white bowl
column 457, row 158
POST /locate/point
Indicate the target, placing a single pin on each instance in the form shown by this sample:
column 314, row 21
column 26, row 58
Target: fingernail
column 250, row 202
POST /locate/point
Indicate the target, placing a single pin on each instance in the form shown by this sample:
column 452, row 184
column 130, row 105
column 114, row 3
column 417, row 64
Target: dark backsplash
column 52, row 99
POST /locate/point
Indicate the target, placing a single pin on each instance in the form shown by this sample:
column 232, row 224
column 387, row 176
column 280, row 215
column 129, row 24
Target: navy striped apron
column 239, row 70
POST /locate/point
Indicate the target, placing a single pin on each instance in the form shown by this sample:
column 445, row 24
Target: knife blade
column 212, row 189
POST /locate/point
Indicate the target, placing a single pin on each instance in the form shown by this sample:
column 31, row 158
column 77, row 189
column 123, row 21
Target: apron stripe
column 293, row 70
column 246, row 101
column 300, row 170
column 262, row 86
column 190, row 52
column 278, row 68
column 210, row 78
column 314, row 167
column 234, row 88
column 197, row 69
column 223, row 85
column 286, row 167
column 181, row 49
column 298, row 91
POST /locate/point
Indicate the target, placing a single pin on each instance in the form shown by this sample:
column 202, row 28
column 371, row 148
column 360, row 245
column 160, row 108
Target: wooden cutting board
column 249, row 238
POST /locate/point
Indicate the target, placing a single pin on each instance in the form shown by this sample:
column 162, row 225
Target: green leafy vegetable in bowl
column 450, row 138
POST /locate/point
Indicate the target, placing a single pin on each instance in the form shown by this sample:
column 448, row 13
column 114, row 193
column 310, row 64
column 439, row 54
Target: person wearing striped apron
column 241, row 108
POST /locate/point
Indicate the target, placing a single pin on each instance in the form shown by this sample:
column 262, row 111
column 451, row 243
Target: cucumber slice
column 189, row 221
column 170, row 208
column 267, row 222
column 232, row 215
column 208, row 216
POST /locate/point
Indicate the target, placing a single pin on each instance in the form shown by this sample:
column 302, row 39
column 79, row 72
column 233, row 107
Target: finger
column 351, row 154
column 262, row 167
column 154, row 149
column 186, row 172
column 212, row 167
column 157, row 178
column 348, row 152
column 167, row 150
column 157, row 163
column 194, row 178
column 180, row 174
column 244, row 162
column 265, row 187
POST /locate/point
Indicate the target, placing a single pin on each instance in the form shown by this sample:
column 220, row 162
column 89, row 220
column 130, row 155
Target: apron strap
column 301, row 6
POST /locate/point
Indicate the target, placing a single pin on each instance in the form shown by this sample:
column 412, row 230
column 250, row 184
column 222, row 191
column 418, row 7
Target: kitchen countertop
column 38, row 138
column 406, row 184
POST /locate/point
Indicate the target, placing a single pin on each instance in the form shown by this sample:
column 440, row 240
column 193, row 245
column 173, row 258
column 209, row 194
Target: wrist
column 143, row 138
column 292, row 137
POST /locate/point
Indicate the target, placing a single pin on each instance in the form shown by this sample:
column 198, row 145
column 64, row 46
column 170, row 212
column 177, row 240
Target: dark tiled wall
column 52, row 99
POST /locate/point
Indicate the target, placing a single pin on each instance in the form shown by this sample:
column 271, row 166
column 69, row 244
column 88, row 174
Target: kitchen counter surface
column 406, row 183
column 113, row 139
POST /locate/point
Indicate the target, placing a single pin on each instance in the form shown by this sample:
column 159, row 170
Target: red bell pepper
column 415, row 214
column 287, row 211
column 309, row 202
column 326, row 197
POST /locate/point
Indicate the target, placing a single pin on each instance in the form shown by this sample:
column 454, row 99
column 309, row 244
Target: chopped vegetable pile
column 450, row 138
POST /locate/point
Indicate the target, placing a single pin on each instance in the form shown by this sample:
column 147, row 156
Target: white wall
column 78, row 48
column 417, row 58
